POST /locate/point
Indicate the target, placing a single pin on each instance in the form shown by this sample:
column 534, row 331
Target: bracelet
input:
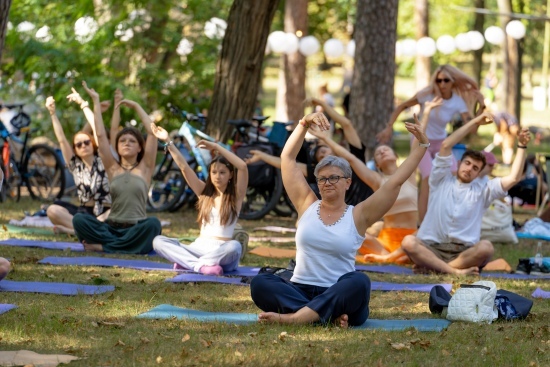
column 522, row 146
column 424, row 145
column 304, row 124
column 84, row 104
column 166, row 145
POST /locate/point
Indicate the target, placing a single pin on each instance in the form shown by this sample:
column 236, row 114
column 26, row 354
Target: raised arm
column 115, row 120
column 516, row 172
column 385, row 135
column 151, row 144
column 88, row 113
column 368, row 176
column 350, row 134
column 194, row 182
column 66, row 147
column 378, row 204
column 294, row 181
column 238, row 163
column 103, row 143
column 258, row 155
column 472, row 125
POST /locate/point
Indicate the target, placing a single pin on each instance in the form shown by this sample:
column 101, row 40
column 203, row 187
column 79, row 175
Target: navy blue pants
column 350, row 295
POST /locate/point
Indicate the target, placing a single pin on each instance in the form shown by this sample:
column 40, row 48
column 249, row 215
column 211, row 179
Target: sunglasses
column 81, row 143
column 446, row 80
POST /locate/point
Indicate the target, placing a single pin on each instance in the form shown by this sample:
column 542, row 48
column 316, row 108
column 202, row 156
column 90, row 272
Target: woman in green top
column 128, row 229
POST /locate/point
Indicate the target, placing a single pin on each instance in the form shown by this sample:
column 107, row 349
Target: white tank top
column 213, row 228
column 325, row 253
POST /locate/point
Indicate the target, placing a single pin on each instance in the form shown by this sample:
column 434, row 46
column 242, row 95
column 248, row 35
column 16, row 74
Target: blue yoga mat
column 387, row 269
column 169, row 311
column 66, row 289
column 532, row 236
column 539, row 293
column 376, row 286
column 514, row 276
column 133, row 264
column 6, row 307
column 73, row 246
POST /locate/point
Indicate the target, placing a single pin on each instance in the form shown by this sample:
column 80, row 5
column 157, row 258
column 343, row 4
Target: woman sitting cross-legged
column 87, row 168
column 220, row 200
column 128, row 229
column 325, row 286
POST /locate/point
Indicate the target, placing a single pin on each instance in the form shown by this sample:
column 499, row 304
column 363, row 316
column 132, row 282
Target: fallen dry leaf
column 238, row 354
column 253, row 334
column 144, row 340
column 445, row 352
column 95, row 324
column 185, row 338
column 400, row 346
column 120, row 342
column 206, row 343
column 282, row 336
column 159, row 359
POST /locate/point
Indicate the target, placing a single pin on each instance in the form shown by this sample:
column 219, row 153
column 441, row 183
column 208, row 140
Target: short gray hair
column 331, row 160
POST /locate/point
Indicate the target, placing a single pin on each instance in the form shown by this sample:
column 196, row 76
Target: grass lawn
column 103, row 330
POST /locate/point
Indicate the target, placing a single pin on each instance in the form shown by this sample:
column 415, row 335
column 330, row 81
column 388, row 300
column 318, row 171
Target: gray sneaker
column 537, row 269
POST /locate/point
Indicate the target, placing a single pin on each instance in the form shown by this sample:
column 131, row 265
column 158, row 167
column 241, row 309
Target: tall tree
column 4, row 13
column 423, row 63
column 238, row 71
column 479, row 20
column 374, row 70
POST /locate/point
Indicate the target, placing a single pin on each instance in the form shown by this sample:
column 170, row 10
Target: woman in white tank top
column 220, row 200
column 325, row 286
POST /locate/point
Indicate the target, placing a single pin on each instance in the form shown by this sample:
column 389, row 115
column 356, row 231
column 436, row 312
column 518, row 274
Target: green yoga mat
column 27, row 230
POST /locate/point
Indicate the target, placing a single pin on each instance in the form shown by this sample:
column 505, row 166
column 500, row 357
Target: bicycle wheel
column 261, row 200
column 11, row 186
column 284, row 207
column 167, row 190
column 43, row 173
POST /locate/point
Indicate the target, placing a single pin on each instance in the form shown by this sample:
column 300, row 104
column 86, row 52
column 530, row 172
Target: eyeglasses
column 84, row 142
column 439, row 81
column 332, row 179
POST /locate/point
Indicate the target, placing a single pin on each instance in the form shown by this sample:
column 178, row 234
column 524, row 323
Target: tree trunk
column 423, row 64
column 511, row 81
column 477, row 65
column 295, row 64
column 238, row 72
column 4, row 14
column 374, row 71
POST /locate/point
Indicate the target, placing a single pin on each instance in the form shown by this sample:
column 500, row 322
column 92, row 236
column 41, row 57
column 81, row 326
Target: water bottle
column 538, row 255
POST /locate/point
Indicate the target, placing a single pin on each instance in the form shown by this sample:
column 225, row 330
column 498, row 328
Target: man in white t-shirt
column 448, row 239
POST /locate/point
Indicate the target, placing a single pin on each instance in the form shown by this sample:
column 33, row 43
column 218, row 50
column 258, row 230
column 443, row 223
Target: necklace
column 329, row 215
column 129, row 168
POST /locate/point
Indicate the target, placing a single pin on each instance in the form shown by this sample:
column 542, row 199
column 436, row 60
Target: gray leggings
column 203, row 251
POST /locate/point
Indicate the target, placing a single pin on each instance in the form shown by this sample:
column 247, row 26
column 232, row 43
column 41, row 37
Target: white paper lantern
column 292, row 43
column 215, row 28
column 333, row 48
column 462, row 42
column 515, row 29
column 494, row 35
column 446, row 44
column 85, row 29
column 277, row 42
column 141, row 19
column 408, row 47
column 10, row 26
column 425, row 46
column 124, row 32
column 398, row 48
column 476, row 40
column 350, row 48
column 25, row 26
column 309, row 45
column 185, row 47
column 43, row 34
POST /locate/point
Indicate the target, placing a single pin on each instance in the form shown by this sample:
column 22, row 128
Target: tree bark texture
column 423, row 63
column 510, row 80
column 374, row 70
column 295, row 64
column 4, row 14
column 238, row 72
column 477, row 64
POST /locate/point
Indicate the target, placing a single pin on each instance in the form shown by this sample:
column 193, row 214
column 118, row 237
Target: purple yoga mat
column 133, row 264
column 186, row 277
column 388, row 269
column 539, row 293
column 6, row 307
column 514, row 276
column 73, row 246
column 66, row 289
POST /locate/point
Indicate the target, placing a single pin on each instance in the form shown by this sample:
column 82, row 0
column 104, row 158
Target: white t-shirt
column 325, row 253
column 455, row 209
column 440, row 116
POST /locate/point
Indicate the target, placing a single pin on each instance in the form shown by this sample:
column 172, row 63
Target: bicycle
column 169, row 191
column 37, row 168
column 265, row 187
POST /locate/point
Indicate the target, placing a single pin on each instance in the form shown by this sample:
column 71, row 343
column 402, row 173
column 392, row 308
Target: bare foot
column 474, row 270
column 376, row 258
column 342, row 321
column 275, row 318
column 92, row 247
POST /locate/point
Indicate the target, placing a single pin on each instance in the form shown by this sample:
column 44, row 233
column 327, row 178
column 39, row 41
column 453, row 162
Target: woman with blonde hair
column 459, row 95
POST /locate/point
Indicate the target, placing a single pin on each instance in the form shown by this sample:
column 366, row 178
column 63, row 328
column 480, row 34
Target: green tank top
column 129, row 198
